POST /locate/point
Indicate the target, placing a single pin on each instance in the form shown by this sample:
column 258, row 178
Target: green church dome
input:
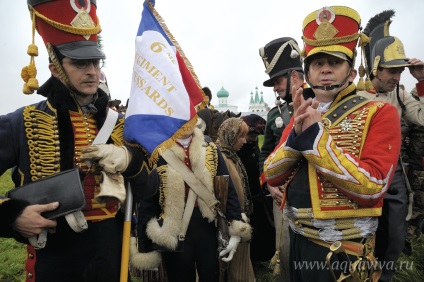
column 222, row 93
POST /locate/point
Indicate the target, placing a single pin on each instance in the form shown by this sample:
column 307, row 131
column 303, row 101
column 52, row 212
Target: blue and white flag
column 164, row 92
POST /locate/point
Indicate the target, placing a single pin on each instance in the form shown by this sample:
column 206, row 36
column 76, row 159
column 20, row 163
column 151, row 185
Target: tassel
column 277, row 269
column 368, row 84
column 32, row 50
column 274, row 264
column 360, row 85
column 33, row 83
column 26, row 89
column 275, row 259
column 29, row 72
column 28, row 75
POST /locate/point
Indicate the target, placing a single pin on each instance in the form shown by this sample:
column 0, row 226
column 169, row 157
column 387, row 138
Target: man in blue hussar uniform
column 57, row 134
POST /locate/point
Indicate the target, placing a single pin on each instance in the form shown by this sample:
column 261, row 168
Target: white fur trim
column 162, row 235
column 143, row 261
column 167, row 234
column 241, row 229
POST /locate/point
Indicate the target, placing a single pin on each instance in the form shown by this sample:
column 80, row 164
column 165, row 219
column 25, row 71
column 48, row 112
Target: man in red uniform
column 338, row 157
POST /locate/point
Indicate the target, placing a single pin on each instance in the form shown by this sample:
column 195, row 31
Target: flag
column 164, row 92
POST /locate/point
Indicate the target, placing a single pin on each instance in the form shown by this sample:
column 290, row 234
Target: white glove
column 111, row 158
column 231, row 248
column 112, row 186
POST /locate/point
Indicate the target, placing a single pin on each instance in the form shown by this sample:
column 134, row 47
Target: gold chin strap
column 55, row 60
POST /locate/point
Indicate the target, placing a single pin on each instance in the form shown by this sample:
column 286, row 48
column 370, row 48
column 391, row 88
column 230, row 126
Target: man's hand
column 416, row 69
column 111, row 158
column 276, row 194
column 231, row 249
column 31, row 222
column 305, row 111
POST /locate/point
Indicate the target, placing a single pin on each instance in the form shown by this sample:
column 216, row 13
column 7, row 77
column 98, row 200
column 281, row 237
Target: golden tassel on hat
column 363, row 40
column 29, row 72
column 361, row 84
column 368, row 84
column 303, row 53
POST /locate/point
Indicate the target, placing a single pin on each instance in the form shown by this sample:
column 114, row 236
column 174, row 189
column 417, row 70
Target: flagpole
column 125, row 256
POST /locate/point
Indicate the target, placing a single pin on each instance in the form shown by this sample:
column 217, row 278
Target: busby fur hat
column 383, row 50
column 256, row 123
column 280, row 56
column 69, row 27
column 332, row 30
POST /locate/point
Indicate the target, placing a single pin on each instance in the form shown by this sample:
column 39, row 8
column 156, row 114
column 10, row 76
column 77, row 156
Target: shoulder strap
column 198, row 187
column 107, row 127
column 346, row 106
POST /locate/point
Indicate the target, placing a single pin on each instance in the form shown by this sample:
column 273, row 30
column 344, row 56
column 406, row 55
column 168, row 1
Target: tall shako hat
column 66, row 26
column 280, row 56
column 383, row 50
column 334, row 31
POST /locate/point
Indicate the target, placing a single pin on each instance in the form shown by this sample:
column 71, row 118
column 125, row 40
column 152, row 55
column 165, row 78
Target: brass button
column 31, row 256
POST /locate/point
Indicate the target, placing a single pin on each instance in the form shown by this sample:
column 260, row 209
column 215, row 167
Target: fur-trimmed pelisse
column 203, row 159
column 203, row 163
column 143, row 261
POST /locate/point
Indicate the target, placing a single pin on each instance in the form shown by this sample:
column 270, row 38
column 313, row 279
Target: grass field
column 12, row 254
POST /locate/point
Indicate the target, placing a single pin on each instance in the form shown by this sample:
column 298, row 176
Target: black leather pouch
column 64, row 187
